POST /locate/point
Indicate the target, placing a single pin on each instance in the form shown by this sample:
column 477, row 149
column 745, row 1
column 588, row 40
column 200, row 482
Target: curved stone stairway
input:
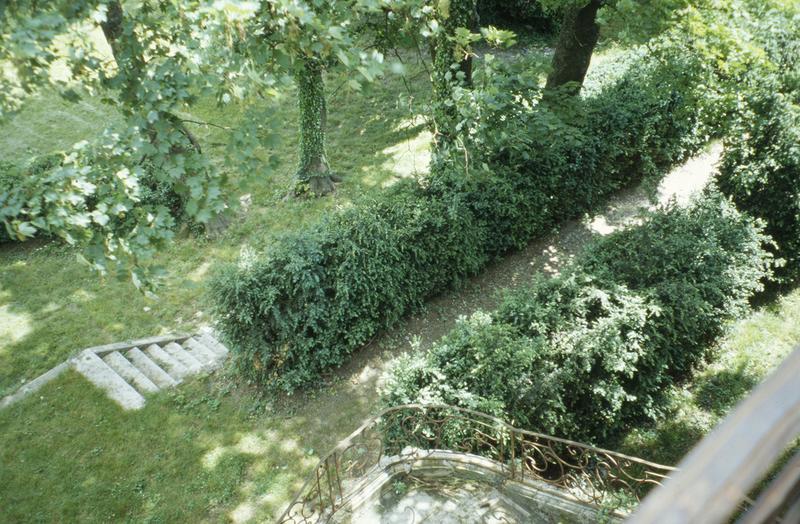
column 127, row 371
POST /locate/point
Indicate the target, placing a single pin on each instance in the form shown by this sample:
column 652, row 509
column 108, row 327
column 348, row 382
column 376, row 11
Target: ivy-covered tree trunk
column 314, row 174
column 452, row 66
column 574, row 47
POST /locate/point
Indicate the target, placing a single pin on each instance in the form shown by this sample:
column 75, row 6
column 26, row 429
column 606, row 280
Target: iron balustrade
column 590, row 475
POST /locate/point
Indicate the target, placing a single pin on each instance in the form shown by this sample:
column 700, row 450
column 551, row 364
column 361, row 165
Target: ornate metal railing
column 587, row 474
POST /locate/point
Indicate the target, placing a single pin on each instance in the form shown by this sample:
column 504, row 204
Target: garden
column 582, row 218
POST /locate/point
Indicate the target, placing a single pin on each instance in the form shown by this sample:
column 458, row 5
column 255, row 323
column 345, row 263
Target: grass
column 213, row 449
column 753, row 348
column 209, row 450
column 51, row 306
column 72, row 455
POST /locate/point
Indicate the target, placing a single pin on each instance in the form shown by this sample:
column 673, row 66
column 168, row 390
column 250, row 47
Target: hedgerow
column 760, row 168
column 583, row 354
column 321, row 293
column 326, row 290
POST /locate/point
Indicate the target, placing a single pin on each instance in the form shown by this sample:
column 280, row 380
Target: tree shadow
column 201, row 452
column 667, row 443
column 720, row 391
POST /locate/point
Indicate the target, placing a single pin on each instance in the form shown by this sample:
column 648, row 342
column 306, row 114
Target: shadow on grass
column 720, row 391
column 753, row 347
column 203, row 452
column 668, row 442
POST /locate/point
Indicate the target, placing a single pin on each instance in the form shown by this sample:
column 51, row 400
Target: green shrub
column 760, row 169
column 515, row 13
column 585, row 353
column 17, row 185
column 10, row 177
column 326, row 290
column 561, row 370
column 699, row 265
column 13, row 179
column 535, row 164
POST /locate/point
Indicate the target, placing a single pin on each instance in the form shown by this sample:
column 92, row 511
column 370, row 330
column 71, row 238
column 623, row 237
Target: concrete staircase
column 128, row 371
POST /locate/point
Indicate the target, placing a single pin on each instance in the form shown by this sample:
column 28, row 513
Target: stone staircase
column 128, row 371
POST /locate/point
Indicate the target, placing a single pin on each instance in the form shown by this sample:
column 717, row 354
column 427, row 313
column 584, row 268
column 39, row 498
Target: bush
column 560, row 370
column 699, row 265
column 516, row 12
column 14, row 178
column 535, row 164
column 19, row 185
column 326, row 290
column 760, row 170
column 9, row 178
column 583, row 354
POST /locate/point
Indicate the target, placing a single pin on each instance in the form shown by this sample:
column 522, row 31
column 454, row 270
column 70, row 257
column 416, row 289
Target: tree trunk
column 448, row 61
column 574, row 47
column 314, row 174
column 112, row 27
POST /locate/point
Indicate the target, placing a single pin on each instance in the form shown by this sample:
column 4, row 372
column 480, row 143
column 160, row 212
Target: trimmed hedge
column 584, row 354
column 323, row 292
column 760, row 169
column 326, row 290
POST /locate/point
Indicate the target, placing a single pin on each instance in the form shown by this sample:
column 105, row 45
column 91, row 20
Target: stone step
column 130, row 373
column 181, row 355
column 199, row 351
column 149, row 368
column 104, row 377
column 174, row 367
column 207, row 338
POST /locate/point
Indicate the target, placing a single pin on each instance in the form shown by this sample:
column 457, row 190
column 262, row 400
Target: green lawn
column 51, row 306
column 213, row 449
column 69, row 454
column 209, row 450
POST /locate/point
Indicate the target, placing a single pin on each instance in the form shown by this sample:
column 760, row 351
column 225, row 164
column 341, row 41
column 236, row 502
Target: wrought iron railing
column 587, row 474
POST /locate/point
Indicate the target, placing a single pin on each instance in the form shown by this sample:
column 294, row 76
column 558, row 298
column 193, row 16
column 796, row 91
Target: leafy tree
column 128, row 55
column 99, row 194
column 454, row 22
column 580, row 27
column 299, row 40
column 167, row 55
column 314, row 173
